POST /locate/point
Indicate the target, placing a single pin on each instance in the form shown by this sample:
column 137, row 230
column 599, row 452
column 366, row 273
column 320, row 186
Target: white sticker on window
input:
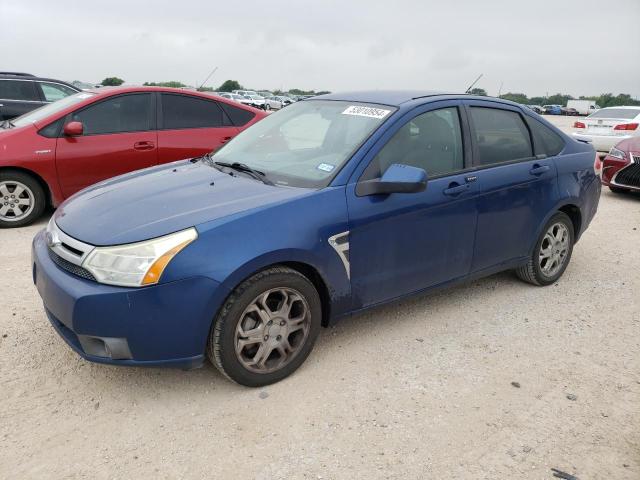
column 366, row 111
column 326, row 167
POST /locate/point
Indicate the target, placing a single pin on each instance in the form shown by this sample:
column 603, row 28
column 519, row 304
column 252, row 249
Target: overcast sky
column 580, row 47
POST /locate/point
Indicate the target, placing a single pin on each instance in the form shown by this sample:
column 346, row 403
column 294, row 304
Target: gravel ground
column 492, row 379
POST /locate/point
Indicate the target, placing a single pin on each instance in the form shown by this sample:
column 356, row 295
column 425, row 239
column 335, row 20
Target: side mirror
column 73, row 129
column 397, row 179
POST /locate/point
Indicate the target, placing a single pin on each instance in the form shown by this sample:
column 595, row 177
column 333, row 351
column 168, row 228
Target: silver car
column 276, row 102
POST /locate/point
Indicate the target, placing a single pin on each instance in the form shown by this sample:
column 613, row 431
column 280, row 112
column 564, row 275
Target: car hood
column 160, row 200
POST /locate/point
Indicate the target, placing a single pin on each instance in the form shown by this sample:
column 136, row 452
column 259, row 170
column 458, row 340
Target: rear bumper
column 602, row 143
column 162, row 325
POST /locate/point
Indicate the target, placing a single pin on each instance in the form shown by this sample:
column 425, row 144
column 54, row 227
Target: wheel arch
column 300, row 263
column 45, row 186
column 569, row 207
column 574, row 213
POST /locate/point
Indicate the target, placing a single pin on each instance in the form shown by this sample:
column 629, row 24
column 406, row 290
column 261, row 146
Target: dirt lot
column 420, row 389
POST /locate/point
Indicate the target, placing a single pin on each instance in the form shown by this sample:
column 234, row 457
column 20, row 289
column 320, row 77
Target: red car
column 621, row 166
column 51, row 153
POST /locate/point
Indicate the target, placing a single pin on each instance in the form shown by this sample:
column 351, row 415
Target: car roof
column 29, row 77
column 385, row 97
column 405, row 98
column 624, row 107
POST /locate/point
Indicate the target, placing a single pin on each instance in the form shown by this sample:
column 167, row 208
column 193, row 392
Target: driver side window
column 431, row 141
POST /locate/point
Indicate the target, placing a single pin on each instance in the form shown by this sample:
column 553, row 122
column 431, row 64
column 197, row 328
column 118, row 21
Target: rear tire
column 22, row 199
column 266, row 328
column 551, row 254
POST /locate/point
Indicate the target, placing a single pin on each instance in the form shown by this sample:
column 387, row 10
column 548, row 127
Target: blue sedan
column 329, row 207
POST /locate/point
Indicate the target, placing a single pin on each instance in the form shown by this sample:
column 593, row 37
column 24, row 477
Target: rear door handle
column 143, row 146
column 455, row 189
column 539, row 169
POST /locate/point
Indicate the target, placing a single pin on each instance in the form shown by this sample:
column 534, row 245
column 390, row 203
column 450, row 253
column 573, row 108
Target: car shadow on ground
column 330, row 342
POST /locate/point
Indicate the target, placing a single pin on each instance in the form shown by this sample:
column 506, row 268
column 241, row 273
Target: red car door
column 118, row 136
column 191, row 126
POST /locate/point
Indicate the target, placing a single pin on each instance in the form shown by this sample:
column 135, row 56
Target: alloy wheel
column 16, row 201
column 272, row 330
column 554, row 249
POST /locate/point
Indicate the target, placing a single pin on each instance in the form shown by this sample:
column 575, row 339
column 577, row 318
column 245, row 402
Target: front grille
column 71, row 267
column 629, row 176
column 635, row 157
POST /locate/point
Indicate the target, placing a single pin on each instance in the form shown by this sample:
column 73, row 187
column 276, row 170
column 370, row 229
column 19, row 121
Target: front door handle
column 144, row 146
column 225, row 139
column 456, row 189
column 539, row 169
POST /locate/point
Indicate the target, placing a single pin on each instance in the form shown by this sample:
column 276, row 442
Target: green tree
column 112, row 82
column 559, row 99
column 538, row 101
column 608, row 100
column 516, row 97
column 171, row 84
column 229, row 85
column 478, row 91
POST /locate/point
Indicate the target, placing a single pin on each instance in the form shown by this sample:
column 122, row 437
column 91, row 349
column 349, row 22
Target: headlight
column 614, row 152
column 137, row 264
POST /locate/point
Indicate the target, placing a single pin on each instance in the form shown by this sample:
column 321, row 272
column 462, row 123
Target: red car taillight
column 579, row 125
column 626, row 126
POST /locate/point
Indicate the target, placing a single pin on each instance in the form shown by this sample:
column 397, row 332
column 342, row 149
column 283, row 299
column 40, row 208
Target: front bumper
column 602, row 143
column 162, row 325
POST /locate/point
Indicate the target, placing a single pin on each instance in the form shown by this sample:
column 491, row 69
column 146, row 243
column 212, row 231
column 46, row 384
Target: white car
column 608, row 126
column 235, row 97
column 255, row 101
column 276, row 102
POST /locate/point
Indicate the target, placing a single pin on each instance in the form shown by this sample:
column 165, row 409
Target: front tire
column 22, row 199
column 551, row 254
column 266, row 328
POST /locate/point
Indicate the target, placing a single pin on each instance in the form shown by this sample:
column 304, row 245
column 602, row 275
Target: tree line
column 227, row 86
column 602, row 100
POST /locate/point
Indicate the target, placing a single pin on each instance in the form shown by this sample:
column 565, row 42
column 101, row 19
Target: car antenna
column 474, row 82
column 206, row 79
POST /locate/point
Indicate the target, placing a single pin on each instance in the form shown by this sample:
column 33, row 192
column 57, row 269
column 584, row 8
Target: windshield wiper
column 7, row 124
column 242, row 167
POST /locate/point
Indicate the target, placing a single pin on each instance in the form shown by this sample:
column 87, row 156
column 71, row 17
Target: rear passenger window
column 125, row 113
column 546, row 141
column 182, row 111
column 500, row 135
column 238, row 116
column 18, row 90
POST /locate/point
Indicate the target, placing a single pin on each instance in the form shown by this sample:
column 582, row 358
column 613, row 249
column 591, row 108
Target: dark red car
column 51, row 153
column 621, row 166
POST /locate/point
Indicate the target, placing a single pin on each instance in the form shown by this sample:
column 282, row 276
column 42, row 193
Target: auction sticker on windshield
column 366, row 111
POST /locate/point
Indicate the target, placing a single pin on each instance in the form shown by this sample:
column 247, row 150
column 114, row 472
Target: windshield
column 307, row 143
column 50, row 109
column 626, row 113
